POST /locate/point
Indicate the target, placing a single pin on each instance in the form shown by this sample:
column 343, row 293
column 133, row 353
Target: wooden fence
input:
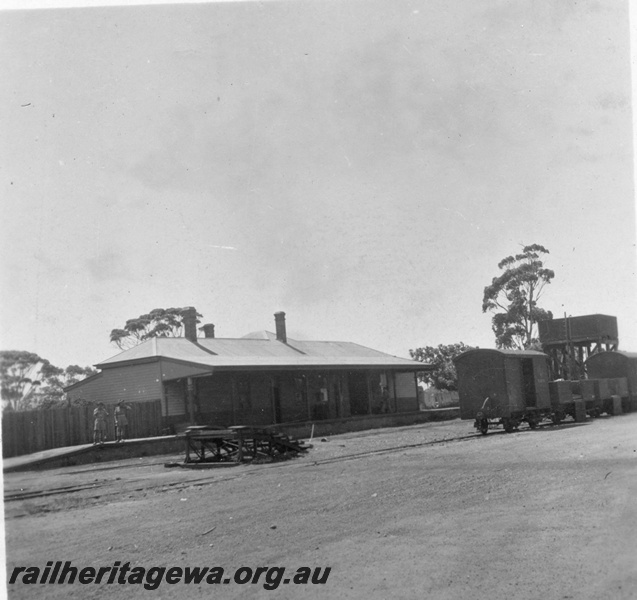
column 36, row 430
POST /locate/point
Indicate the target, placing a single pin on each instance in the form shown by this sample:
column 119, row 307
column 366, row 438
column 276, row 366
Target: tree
column 50, row 393
column 20, row 376
column 32, row 382
column 513, row 298
column 444, row 376
column 160, row 322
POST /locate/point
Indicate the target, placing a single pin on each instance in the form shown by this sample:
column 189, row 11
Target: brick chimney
column 209, row 330
column 279, row 321
column 189, row 319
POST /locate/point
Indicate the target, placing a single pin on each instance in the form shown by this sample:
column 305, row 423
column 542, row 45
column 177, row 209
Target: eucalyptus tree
column 160, row 322
column 513, row 298
column 19, row 376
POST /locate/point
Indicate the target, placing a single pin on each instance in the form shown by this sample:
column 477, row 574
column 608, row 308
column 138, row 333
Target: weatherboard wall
column 130, row 383
column 174, row 403
column 173, row 370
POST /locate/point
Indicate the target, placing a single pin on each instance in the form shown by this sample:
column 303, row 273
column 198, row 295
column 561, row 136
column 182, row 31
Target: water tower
column 571, row 340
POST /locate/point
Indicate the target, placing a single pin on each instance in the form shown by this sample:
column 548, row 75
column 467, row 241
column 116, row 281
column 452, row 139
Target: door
column 276, row 401
column 358, row 392
column 528, row 382
column 338, row 399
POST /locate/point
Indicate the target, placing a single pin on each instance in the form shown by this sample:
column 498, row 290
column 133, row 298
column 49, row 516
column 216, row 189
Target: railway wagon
column 562, row 399
column 589, row 392
column 617, row 364
column 503, row 387
column 583, row 396
column 608, row 390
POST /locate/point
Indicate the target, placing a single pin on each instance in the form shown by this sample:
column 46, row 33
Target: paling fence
column 35, row 430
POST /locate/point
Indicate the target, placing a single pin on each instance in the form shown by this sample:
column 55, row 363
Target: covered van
column 513, row 380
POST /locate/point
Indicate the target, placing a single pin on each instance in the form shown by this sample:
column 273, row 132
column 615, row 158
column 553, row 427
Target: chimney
column 279, row 321
column 189, row 319
column 209, row 330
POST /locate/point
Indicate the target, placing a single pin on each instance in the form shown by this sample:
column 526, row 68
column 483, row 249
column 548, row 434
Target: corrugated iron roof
column 254, row 352
column 177, row 348
column 505, row 352
column 244, row 347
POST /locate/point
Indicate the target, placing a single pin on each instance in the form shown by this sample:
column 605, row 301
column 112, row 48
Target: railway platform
column 174, row 444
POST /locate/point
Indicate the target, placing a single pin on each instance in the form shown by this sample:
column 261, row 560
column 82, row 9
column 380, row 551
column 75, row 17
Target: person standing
column 384, row 402
column 121, row 421
column 99, row 424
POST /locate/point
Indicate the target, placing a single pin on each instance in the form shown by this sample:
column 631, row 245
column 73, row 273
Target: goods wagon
column 503, row 387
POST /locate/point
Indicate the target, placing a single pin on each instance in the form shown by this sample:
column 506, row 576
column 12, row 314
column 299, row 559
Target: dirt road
column 423, row 512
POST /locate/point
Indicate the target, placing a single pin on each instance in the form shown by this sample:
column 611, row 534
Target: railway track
column 391, row 450
column 116, row 487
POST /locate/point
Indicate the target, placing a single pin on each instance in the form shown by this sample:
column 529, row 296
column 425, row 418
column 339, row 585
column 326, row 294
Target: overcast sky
column 361, row 165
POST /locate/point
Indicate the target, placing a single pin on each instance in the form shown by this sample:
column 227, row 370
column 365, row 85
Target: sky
column 361, row 165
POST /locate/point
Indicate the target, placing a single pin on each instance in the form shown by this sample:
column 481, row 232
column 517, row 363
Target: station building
column 260, row 379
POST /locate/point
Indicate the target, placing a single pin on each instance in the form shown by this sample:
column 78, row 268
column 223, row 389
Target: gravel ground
column 427, row 511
